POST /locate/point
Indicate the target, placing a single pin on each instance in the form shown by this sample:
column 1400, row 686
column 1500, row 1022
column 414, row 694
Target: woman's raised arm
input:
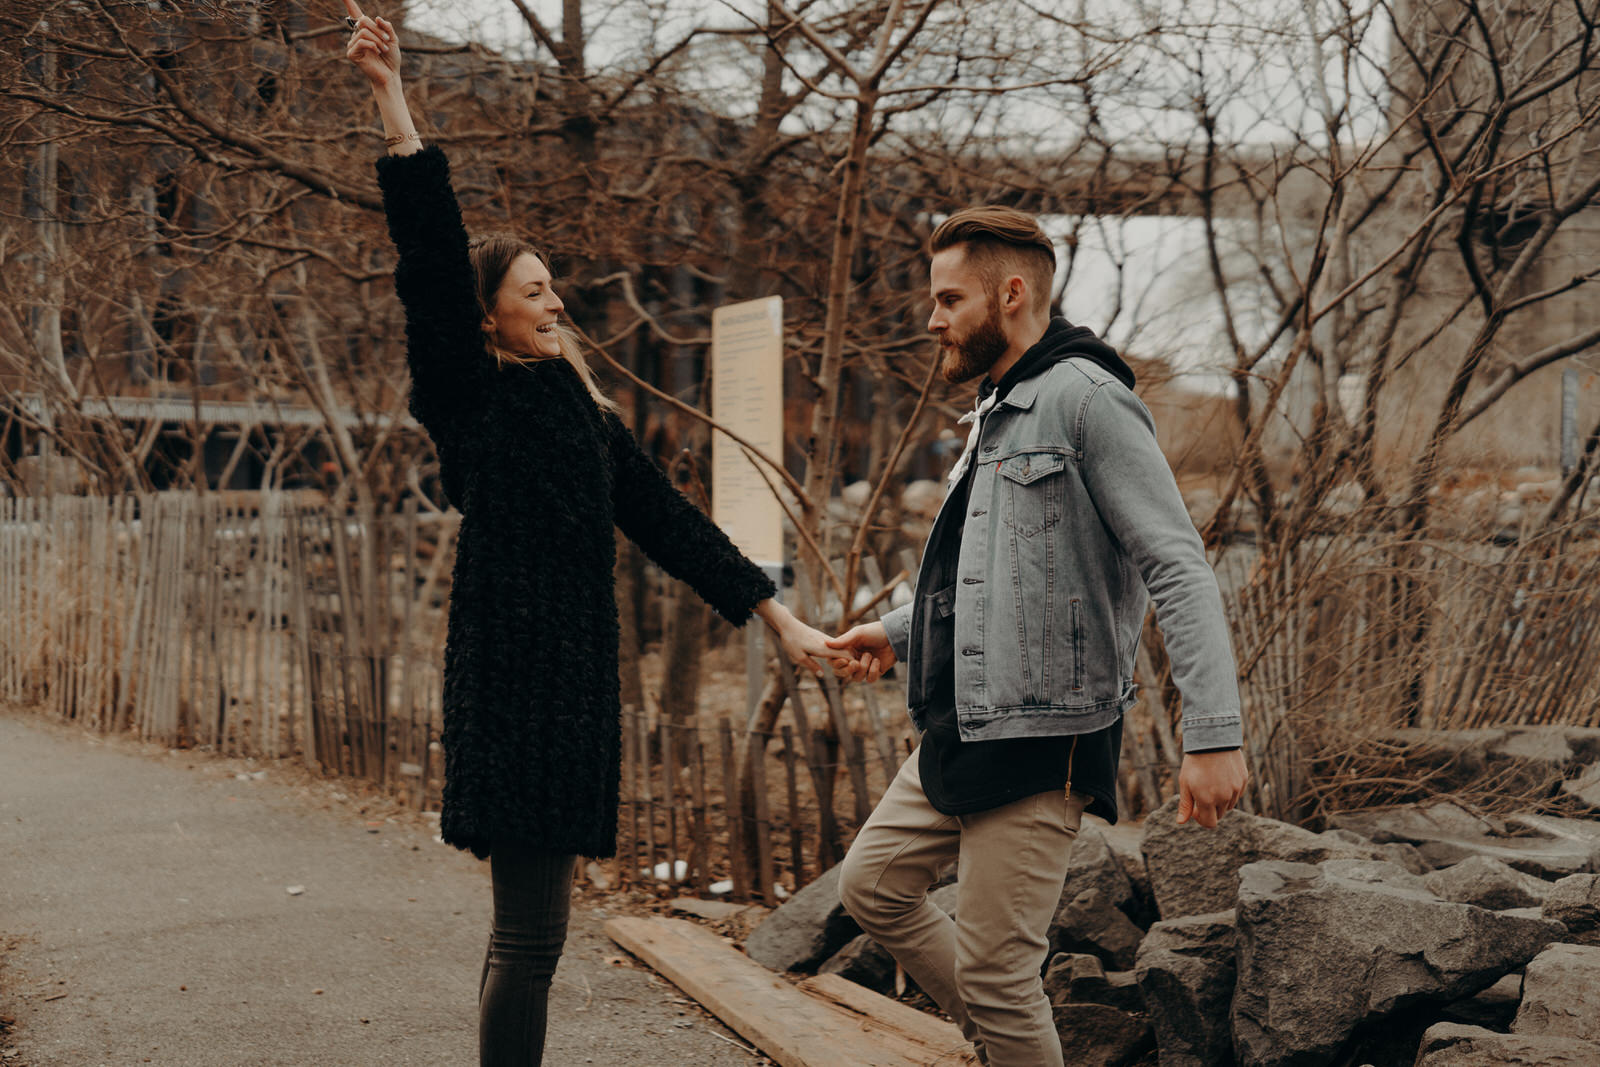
column 450, row 369
column 375, row 50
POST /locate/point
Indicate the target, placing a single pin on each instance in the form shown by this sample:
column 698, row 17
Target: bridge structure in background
column 1156, row 180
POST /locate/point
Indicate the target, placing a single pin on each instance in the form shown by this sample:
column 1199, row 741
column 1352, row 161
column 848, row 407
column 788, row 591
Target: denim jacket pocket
column 1076, row 605
column 1032, row 502
column 937, row 640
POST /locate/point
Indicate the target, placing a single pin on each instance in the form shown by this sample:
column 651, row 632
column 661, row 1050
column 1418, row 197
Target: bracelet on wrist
column 402, row 138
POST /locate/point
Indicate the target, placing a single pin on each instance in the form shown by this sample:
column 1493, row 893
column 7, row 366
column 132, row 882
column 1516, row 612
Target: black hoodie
column 965, row 777
column 1061, row 340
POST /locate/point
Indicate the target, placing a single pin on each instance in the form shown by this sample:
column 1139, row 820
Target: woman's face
column 525, row 310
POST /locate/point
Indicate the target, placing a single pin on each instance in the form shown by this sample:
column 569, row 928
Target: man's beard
column 975, row 353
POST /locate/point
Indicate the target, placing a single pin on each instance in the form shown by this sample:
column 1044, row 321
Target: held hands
column 374, row 47
column 1210, row 785
column 855, row 656
column 862, row 653
column 801, row 643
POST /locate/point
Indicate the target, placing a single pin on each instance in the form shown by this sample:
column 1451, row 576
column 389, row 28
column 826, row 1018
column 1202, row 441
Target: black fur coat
column 531, row 713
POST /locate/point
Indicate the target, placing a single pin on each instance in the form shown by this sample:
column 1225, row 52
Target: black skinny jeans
column 532, row 899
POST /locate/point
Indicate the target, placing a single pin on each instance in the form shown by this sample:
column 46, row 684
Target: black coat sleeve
column 678, row 536
column 450, row 370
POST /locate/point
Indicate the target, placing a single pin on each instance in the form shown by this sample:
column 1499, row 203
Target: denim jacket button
column 988, row 448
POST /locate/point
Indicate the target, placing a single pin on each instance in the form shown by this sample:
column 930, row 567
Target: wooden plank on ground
column 715, row 910
column 794, row 1029
column 912, row 1025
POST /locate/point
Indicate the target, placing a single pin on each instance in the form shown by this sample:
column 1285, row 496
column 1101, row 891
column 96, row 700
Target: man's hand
column 1210, row 785
column 869, row 652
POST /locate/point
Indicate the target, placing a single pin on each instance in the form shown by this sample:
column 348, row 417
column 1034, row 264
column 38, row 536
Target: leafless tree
column 1385, row 207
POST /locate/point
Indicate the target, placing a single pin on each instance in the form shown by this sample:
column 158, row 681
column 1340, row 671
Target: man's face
column 966, row 318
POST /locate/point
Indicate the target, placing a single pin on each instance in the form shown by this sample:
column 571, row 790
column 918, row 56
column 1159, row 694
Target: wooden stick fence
column 682, row 808
column 277, row 629
column 1326, row 644
column 269, row 630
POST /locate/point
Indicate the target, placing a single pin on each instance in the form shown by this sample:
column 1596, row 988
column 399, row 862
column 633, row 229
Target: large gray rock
column 1406, row 855
column 867, row 963
column 1123, row 840
column 1396, row 852
column 1095, row 1035
column 1415, row 823
column 1574, row 902
column 1062, row 968
column 1493, row 1008
column 864, row 962
column 1519, row 759
column 1327, row 950
column 1536, row 758
column 811, row 926
column 1093, row 865
column 945, row 898
column 1454, row 1045
column 1488, row 883
column 1098, row 1016
column 1577, row 831
column 1583, row 786
column 1585, row 742
column 1092, row 924
column 1445, row 834
column 1185, row 969
column 1195, row 871
column 1451, row 758
column 1561, row 994
column 1077, row 978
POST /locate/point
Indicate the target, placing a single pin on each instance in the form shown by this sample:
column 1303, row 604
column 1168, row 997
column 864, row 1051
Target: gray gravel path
column 145, row 918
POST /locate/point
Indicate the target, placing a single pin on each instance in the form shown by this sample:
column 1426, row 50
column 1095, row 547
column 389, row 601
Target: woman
column 541, row 468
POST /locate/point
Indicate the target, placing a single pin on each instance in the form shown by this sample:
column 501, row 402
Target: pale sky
column 1255, row 51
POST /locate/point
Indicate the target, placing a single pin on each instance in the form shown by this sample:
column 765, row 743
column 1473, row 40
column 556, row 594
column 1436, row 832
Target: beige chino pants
column 983, row 966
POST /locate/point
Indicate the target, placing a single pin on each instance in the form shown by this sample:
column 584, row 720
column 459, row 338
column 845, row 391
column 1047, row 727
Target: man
column 1020, row 643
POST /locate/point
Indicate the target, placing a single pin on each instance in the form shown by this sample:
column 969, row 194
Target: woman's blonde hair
column 492, row 256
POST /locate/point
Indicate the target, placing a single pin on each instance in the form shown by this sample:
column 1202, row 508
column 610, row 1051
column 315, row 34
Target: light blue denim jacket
column 1073, row 515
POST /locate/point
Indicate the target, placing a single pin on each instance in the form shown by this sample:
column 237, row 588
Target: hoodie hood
column 1061, row 340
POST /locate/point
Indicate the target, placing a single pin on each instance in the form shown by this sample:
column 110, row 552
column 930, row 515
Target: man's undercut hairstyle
column 1000, row 242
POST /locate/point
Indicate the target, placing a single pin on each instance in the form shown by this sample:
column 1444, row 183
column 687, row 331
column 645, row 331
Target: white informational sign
column 747, row 398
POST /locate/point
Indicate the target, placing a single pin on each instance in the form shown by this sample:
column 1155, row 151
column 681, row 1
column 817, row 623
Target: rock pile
column 1422, row 935
column 1562, row 762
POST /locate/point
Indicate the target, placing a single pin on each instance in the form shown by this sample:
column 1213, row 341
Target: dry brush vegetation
column 1388, row 211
